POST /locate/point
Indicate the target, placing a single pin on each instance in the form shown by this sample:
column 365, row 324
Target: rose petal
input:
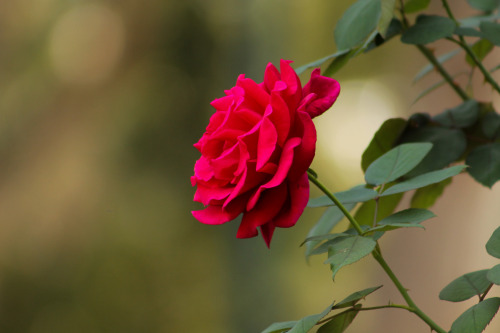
column 215, row 214
column 226, row 164
column 202, row 169
column 208, row 195
column 267, row 231
column 304, row 154
column 286, row 159
column 254, row 92
column 299, row 196
column 267, row 142
column 271, row 76
column 280, row 116
column 268, row 206
column 326, row 90
column 294, row 87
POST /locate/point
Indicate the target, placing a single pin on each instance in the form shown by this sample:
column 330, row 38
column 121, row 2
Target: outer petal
column 304, row 153
column 299, row 195
column 217, row 215
column 254, row 92
column 286, row 160
column 267, row 231
column 326, row 90
column 267, row 208
column 294, row 87
column 280, row 116
column 271, row 76
column 268, row 137
column 206, row 195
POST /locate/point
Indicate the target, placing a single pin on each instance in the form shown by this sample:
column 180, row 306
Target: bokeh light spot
column 347, row 128
column 86, row 44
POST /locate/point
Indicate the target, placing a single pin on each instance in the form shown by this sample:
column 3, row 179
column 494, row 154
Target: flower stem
column 330, row 195
column 487, row 76
column 432, row 59
column 368, row 308
column 412, row 307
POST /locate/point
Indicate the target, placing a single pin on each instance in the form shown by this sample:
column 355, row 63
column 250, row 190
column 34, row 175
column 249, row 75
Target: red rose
column 257, row 148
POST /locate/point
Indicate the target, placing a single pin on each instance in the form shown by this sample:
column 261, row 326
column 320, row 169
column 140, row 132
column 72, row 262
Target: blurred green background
column 100, row 104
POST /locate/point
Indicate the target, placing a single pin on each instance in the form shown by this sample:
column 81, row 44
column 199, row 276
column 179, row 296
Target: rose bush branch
column 313, row 178
column 463, row 44
column 487, row 76
column 260, row 142
column 429, row 55
column 412, row 307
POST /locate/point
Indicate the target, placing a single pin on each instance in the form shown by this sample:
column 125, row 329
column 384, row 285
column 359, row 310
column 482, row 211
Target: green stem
column 487, row 76
column 469, row 51
column 432, row 59
column 448, row 11
column 377, row 255
column 330, row 195
column 482, row 297
column 368, row 308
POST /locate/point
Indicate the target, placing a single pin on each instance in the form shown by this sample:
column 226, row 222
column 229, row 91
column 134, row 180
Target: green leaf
column 491, row 31
column 280, row 327
column 386, row 16
column 467, row 31
column 430, row 67
column 460, row 116
column 476, row 318
column 425, row 197
column 466, row 286
column 475, row 21
column 347, row 251
column 412, row 6
column 339, row 62
column 354, row 298
column 411, row 217
column 493, row 244
column 424, row 180
column 339, row 322
column 494, row 275
column 394, row 29
column 485, row 5
column 386, row 205
column 484, row 162
column 325, row 224
column 319, row 62
column 490, row 124
column 306, row 323
column 330, row 240
column 356, row 194
column 357, row 23
column 427, row 29
column 396, row 163
column 448, row 146
column 481, row 49
column 383, row 140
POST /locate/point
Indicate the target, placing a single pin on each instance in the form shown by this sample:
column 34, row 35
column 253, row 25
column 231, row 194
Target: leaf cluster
column 336, row 323
column 420, row 154
column 477, row 283
column 386, row 177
